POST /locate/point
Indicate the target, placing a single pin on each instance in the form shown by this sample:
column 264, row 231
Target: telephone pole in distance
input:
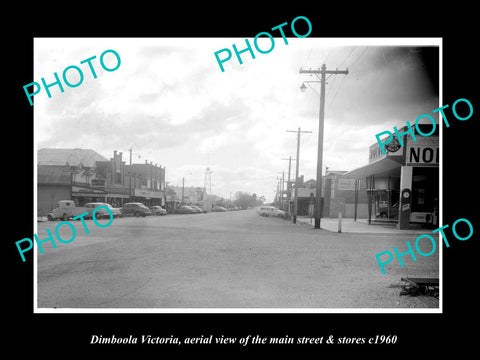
column 295, row 204
column 289, row 185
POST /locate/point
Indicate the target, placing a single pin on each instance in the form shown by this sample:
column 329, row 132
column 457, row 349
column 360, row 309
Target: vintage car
column 158, row 210
column 198, row 209
column 65, row 210
column 102, row 212
column 186, row 210
column 271, row 211
column 135, row 208
column 219, row 209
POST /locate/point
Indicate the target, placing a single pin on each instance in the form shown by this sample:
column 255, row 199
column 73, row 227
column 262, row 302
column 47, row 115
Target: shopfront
column 403, row 184
column 116, row 198
column 149, row 197
column 85, row 194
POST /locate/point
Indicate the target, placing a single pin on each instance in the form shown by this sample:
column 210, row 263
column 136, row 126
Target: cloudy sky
column 171, row 103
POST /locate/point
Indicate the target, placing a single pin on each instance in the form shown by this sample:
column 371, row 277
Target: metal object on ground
column 420, row 286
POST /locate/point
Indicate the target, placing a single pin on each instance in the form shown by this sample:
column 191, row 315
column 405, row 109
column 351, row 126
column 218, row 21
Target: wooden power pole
column 295, row 204
column 318, row 191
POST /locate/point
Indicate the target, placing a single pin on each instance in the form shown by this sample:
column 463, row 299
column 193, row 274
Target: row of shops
column 85, row 176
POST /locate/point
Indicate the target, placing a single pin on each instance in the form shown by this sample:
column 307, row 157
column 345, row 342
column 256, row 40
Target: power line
column 354, row 62
column 346, row 58
column 336, row 92
column 328, row 54
column 308, row 56
column 342, row 63
column 343, row 79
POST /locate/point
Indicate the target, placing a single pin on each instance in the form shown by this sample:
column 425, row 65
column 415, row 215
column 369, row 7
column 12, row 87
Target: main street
column 223, row 260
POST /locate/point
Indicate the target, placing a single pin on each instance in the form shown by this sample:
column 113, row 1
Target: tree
column 244, row 200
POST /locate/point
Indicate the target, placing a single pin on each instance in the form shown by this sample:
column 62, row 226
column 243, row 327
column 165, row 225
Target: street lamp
column 303, row 88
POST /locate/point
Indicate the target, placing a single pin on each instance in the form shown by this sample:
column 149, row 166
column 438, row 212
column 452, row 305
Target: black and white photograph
column 235, row 179
column 211, row 172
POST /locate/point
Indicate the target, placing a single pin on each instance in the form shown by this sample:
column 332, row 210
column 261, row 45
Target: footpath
column 361, row 226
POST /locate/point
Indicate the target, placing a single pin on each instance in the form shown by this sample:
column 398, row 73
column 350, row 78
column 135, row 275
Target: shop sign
column 303, row 192
column 87, row 190
column 97, row 183
column 346, row 184
column 148, row 194
column 375, row 153
column 424, row 151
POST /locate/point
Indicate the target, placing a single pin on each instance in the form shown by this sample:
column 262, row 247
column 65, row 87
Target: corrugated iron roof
column 53, row 174
column 73, row 157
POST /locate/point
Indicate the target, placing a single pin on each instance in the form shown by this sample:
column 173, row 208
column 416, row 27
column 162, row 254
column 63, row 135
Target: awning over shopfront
column 378, row 175
column 383, row 167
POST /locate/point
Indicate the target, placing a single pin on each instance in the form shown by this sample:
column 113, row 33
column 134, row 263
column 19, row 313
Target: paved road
column 223, row 260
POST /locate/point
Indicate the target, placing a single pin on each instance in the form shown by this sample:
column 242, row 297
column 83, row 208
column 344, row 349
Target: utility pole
column 295, row 204
column 288, row 184
column 183, row 187
column 277, row 196
column 282, row 189
column 318, row 191
column 130, row 183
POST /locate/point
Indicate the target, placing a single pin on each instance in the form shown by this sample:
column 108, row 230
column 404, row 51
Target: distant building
column 85, row 176
column 306, row 194
column 65, row 174
column 338, row 195
column 345, row 195
column 192, row 195
column 53, row 184
column 146, row 183
column 110, row 176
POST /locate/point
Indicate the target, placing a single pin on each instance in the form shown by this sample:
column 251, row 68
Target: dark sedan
column 135, row 208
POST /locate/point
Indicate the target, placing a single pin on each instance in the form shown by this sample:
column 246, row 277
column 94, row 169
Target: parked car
column 219, row 208
column 271, row 211
column 280, row 213
column 65, row 210
column 184, row 209
column 382, row 212
column 135, row 208
column 198, row 209
column 158, row 210
column 102, row 213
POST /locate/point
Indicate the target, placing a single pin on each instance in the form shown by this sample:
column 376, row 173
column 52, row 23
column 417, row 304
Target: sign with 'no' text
column 423, row 152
